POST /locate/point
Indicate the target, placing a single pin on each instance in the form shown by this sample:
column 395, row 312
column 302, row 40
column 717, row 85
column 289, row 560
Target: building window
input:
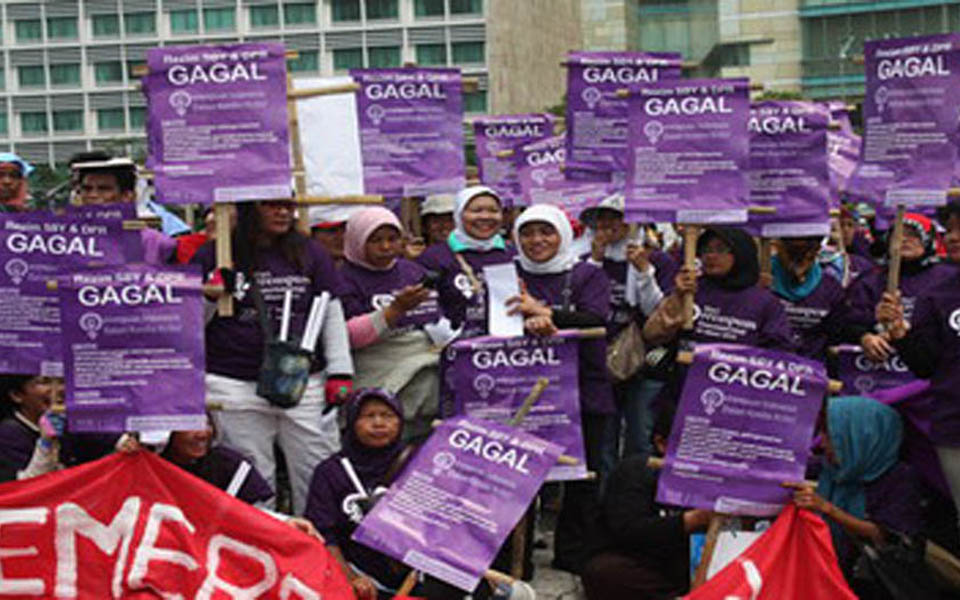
column 33, row 123
column 466, row 7
column 300, row 13
column 345, row 10
column 31, row 76
column 264, row 16
column 106, row 26
column 108, row 72
column 3, row 79
column 4, row 129
column 184, row 21
column 141, row 23
column 138, row 117
column 110, row 119
column 62, row 28
column 428, row 8
column 219, row 19
column 382, row 9
column 68, row 120
column 467, row 53
column 475, row 102
column 65, row 74
column 431, row 54
column 384, row 57
column 308, row 61
column 347, row 58
column 30, row 30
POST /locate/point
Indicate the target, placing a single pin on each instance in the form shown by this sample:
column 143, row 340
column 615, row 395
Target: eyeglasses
column 715, row 250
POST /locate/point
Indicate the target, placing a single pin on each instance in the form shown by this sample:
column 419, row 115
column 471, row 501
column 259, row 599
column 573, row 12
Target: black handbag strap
column 262, row 315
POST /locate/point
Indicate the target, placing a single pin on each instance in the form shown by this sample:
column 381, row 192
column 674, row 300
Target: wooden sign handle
column 896, row 241
column 690, row 235
column 766, row 259
column 221, row 214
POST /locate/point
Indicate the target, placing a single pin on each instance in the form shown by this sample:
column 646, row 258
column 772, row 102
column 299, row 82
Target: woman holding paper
column 474, row 243
column 560, row 292
column 729, row 306
column 392, row 317
column 272, row 259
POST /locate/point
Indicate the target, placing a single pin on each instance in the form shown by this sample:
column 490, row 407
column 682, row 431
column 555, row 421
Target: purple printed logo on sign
column 712, row 399
column 17, row 269
column 91, row 323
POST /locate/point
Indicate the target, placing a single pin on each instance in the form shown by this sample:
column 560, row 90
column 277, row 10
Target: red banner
column 794, row 559
column 136, row 526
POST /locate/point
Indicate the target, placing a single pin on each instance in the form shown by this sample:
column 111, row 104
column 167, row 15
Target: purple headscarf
column 371, row 464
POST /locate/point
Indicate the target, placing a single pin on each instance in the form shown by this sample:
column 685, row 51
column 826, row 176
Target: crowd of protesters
column 376, row 381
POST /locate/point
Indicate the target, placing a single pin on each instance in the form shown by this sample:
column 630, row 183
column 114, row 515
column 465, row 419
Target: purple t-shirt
column 938, row 312
column 366, row 291
column 620, row 312
column 589, row 292
column 235, row 344
column 218, row 468
column 864, row 294
column 457, row 299
column 752, row 316
column 813, row 319
column 335, row 508
column 16, row 443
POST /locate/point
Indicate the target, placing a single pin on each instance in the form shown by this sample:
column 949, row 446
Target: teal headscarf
column 866, row 436
column 785, row 286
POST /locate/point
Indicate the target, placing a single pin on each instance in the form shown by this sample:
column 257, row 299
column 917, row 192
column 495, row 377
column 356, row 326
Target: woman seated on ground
column 639, row 548
column 24, row 400
column 225, row 469
column 865, row 490
column 392, row 317
column 345, row 486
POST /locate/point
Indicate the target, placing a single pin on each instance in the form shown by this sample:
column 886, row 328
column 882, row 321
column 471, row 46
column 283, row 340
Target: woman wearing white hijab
column 474, row 243
column 561, row 292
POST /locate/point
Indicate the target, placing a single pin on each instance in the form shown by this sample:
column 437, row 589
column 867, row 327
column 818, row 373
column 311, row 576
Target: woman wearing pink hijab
column 392, row 317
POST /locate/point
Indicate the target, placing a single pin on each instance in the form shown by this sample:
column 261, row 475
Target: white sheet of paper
column 502, row 284
column 729, row 546
column 330, row 141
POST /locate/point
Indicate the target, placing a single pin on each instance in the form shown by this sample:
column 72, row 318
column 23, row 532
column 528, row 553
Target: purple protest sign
column 455, row 503
column 743, row 427
column 502, row 134
column 133, row 348
column 217, row 126
column 411, row 131
column 597, row 113
column 910, row 138
column 34, row 248
column 864, row 377
column 540, row 169
column 493, row 376
column 688, row 152
column 843, row 154
column 788, row 168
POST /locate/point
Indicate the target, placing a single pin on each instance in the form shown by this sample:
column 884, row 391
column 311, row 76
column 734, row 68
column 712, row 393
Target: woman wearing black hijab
column 729, row 306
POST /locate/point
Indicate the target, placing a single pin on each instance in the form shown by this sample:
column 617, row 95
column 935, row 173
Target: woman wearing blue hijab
column 864, row 488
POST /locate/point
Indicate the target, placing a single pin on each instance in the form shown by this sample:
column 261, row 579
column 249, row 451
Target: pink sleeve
column 365, row 329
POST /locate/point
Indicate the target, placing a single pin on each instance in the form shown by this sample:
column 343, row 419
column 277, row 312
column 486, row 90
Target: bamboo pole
column 690, row 235
column 296, row 149
column 896, row 241
column 221, row 214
